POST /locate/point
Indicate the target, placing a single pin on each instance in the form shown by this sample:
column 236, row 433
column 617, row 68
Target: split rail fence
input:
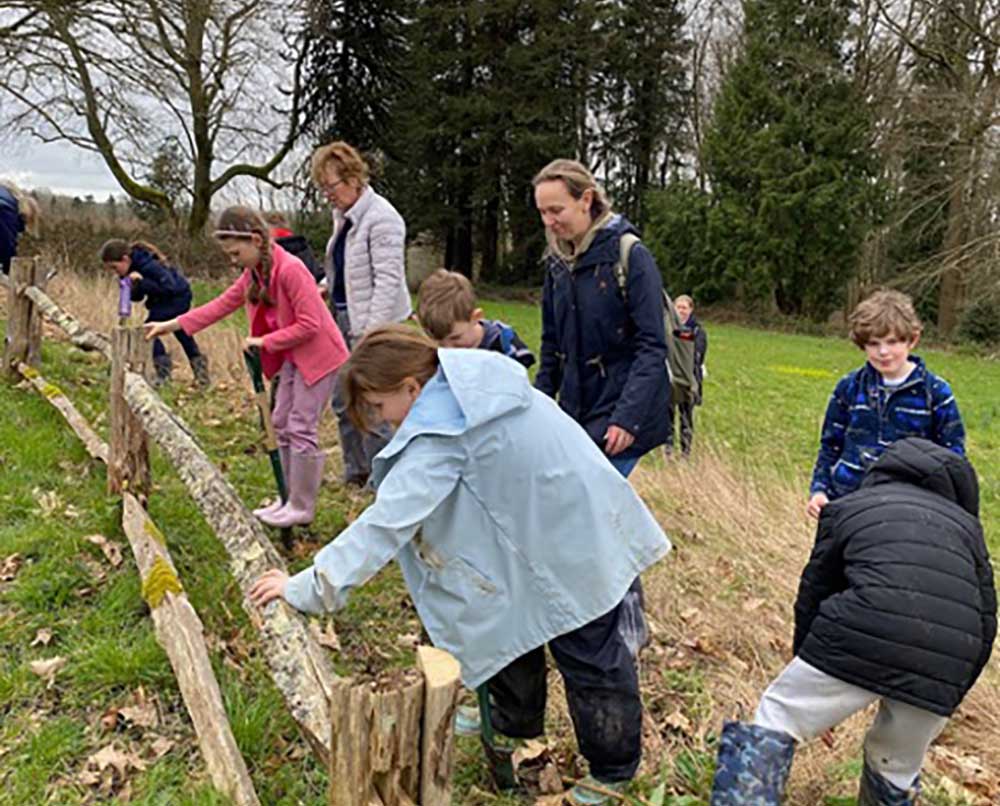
column 382, row 748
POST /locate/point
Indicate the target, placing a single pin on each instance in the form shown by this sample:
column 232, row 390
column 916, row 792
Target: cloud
column 59, row 167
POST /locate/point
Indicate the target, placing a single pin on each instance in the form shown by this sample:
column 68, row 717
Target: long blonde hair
column 241, row 223
column 380, row 362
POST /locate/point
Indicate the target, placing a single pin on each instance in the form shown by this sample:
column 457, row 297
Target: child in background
column 167, row 294
column 683, row 401
column 447, row 311
column 891, row 397
column 298, row 340
column 18, row 213
column 485, row 497
column 282, row 234
column 897, row 606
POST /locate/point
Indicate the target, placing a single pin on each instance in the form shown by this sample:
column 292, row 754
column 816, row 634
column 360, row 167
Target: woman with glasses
column 365, row 276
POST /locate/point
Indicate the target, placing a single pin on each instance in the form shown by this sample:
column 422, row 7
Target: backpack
column 680, row 351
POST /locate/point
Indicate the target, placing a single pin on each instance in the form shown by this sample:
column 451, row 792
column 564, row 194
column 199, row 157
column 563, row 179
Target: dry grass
column 721, row 605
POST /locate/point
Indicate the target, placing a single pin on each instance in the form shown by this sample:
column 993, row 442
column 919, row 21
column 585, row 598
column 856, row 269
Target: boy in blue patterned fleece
column 892, row 396
column 447, row 311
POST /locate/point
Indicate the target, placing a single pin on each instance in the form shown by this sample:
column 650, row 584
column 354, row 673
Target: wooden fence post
column 129, row 461
column 23, row 332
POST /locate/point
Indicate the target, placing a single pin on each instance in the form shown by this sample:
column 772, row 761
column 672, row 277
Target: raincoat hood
column 929, row 466
column 471, row 388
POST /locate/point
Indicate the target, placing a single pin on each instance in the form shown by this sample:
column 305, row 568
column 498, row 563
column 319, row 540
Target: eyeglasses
column 329, row 187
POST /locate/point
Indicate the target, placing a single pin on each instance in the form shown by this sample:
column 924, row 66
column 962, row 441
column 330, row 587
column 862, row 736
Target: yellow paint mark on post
column 50, row 390
column 29, row 372
column 160, row 580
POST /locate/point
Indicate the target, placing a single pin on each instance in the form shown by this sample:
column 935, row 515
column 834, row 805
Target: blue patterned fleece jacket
column 865, row 416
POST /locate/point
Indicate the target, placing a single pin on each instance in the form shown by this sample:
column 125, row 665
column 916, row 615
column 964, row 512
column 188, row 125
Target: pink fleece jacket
column 300, row 329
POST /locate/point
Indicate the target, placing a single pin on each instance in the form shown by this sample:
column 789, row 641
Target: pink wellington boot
column 271, row 509
column 305, row 474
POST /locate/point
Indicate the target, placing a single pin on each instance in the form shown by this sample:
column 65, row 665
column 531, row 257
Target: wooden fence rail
column 390, row 749
column 178, row 629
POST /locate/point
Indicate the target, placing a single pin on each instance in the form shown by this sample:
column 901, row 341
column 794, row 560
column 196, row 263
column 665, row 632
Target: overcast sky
column 59, row 167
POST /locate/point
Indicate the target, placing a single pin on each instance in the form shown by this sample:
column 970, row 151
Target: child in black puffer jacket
column 167, row 294
column 896, row 606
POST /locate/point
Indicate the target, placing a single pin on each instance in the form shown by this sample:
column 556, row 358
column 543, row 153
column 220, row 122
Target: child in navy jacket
column 891, row 397
column 167, row 294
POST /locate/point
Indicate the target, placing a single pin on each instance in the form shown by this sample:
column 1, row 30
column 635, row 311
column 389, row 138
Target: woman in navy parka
column 604, row 350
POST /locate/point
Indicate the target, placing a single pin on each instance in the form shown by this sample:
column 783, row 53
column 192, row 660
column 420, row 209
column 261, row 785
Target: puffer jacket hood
column 922, row 463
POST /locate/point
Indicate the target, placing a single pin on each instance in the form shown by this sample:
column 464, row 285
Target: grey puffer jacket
column 374, row 263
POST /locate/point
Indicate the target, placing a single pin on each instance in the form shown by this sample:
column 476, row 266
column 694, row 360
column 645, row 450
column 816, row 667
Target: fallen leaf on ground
column 143, row 716
column 530, row 751
column 968, row 771
column 678, row 721
column 327, row 637
column 111, row 756
column 109, row 719
column 110, row 550
column 47, row 668
column 43, row 637
column 550, row 781
column 161, row 747
column 11, row 565
column 549, row 800
column 689, row 614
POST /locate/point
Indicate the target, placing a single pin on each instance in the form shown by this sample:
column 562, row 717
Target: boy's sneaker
column 586, row 792
column 467, row 721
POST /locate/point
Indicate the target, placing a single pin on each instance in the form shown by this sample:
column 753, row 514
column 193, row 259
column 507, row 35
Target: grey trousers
column 358, row 448
column 805, row 702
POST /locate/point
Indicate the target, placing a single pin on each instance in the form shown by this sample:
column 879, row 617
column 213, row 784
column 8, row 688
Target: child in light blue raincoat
column 512, row 530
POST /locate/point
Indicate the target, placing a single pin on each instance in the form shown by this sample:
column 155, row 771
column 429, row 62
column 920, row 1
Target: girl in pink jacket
column 298, row 340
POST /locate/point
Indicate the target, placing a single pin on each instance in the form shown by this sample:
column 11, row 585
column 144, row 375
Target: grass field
column 744, row 492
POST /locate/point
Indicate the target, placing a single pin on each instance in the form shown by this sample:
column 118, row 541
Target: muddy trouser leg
column 686, row 411
column 897, row 742
column 598, row 664
column 517, row 696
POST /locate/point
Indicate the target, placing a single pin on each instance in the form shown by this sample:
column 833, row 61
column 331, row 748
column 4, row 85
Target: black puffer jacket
column 898, row 595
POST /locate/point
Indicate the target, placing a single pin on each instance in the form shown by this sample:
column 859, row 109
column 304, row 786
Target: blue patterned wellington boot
column 753, row 766
column 877, row 791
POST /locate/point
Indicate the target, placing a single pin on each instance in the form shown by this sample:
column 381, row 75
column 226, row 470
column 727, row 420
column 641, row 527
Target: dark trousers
column 161, row 312
column 598, row 664
column 686, row 412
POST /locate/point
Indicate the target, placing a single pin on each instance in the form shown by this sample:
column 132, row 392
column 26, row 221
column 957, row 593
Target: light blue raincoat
column 510, row 525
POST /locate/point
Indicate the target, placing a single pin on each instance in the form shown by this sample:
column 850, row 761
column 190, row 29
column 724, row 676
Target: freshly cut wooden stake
column 442, row 684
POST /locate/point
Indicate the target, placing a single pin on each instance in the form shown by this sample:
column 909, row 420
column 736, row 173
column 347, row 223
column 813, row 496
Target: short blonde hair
column 445, row 297
column 684, row 298
column 348, row 161
column 385, row 357
column 577, row 179
column 884, row 313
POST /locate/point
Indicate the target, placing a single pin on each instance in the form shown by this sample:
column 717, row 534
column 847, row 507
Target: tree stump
column 128, row 467
column 24, row 333
column 393, row 746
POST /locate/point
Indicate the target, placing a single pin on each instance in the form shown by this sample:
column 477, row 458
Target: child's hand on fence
column 154, row 329
column 253, row 341
column 270, row 586
column 816, row 504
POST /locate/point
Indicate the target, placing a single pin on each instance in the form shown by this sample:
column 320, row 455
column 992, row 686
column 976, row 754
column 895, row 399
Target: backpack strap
column 625, row 244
